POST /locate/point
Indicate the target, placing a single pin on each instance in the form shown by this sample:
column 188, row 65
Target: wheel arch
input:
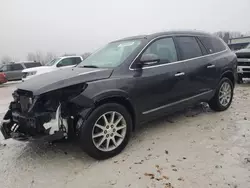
column 230, row 75
column 119, row 99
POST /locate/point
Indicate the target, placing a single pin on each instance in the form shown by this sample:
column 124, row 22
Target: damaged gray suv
column 128, row 82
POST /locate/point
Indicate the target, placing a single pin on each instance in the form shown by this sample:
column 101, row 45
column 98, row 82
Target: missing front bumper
column 40, row 126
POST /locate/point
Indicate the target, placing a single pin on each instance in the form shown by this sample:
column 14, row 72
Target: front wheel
column 106, row 132
column 223, row 95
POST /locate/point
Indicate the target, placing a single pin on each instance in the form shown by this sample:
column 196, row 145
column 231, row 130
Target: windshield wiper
column 89, row 66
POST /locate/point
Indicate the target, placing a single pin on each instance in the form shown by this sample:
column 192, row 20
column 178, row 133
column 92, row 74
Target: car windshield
column 112, row 55
column 53, row 62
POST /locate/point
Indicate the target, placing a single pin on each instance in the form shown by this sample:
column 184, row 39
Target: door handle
column 180, row 74
column 210, row 66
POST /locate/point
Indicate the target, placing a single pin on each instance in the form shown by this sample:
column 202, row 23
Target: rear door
column 215, row 60
column 192, row 53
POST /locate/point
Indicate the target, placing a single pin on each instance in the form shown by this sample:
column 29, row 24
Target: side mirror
column 149, row 59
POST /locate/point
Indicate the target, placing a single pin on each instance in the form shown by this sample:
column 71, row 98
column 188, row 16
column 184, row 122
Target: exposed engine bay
column 47, row 116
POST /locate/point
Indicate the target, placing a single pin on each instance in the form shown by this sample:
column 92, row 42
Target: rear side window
column 16, row 67
column 212, row 44
column 30, row 65
column 189, row 47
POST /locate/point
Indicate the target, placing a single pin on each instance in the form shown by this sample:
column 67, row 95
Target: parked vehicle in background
column 243, row 63
column 60, row 62
column 13, row 71
column 2, row 78
column 128, row 82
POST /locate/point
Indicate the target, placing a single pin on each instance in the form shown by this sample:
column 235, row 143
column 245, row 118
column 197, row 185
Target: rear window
column 212, row 44
column 30, row 65
column 189, row 47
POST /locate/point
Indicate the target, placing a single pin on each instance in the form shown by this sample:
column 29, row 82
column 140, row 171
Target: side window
column 218, row 45
column 30, row 65
column 164, row 49
column 189, row 48
column 66, row 62
column 212, row 44
column 16, row 67
column 203, row 49
column 78, row 60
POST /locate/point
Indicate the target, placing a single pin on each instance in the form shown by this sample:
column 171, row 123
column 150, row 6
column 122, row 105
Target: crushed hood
column 63, row 78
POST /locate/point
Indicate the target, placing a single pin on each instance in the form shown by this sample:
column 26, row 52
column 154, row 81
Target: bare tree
column 49, row 56
column 41, row 57
column 68, row 54
column 85, row 55
column 226, row 35
column 6, row 59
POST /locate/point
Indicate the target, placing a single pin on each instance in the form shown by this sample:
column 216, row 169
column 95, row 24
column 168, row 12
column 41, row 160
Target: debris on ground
column 180, row 179
column 166, row 151
column 165, row 177
column 112, row 182
column 140, row 162
column 247, row 159
column 218, row 166
column 174, row 169
column 152, row 176
column 245, row 118
column 168, row 185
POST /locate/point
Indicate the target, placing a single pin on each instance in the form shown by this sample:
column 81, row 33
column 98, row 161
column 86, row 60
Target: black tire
column 214, row 103
column 85, row 136
column 239, row 79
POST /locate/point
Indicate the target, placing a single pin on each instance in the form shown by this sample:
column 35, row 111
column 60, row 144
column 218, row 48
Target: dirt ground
column 197, row 148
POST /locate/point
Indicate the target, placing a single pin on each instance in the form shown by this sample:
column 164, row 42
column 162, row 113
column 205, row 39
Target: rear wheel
column 106, row 132
column 223, row 96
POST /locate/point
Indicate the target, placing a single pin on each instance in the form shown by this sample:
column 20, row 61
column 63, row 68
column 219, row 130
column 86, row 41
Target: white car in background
column 60, row 62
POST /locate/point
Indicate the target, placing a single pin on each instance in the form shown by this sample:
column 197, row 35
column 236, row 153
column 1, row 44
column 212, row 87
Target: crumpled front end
column 32, row 117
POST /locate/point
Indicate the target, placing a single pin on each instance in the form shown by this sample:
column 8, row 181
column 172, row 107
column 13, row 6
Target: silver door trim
column 180, row 74
column 210, row 66
column 165, row 36
column 177, row 102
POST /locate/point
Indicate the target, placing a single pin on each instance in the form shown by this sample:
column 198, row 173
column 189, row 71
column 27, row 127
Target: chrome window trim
column 174, row 103
column 181, row 61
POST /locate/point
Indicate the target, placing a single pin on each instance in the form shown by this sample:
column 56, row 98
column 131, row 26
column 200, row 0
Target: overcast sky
column 78, row 26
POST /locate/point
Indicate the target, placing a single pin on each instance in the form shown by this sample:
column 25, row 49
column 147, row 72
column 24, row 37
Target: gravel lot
column 197, row 148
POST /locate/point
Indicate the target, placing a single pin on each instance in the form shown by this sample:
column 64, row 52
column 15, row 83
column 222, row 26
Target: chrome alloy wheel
column 225, row 94
column 109, row 131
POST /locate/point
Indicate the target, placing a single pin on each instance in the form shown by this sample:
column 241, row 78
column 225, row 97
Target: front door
column 157, row 86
